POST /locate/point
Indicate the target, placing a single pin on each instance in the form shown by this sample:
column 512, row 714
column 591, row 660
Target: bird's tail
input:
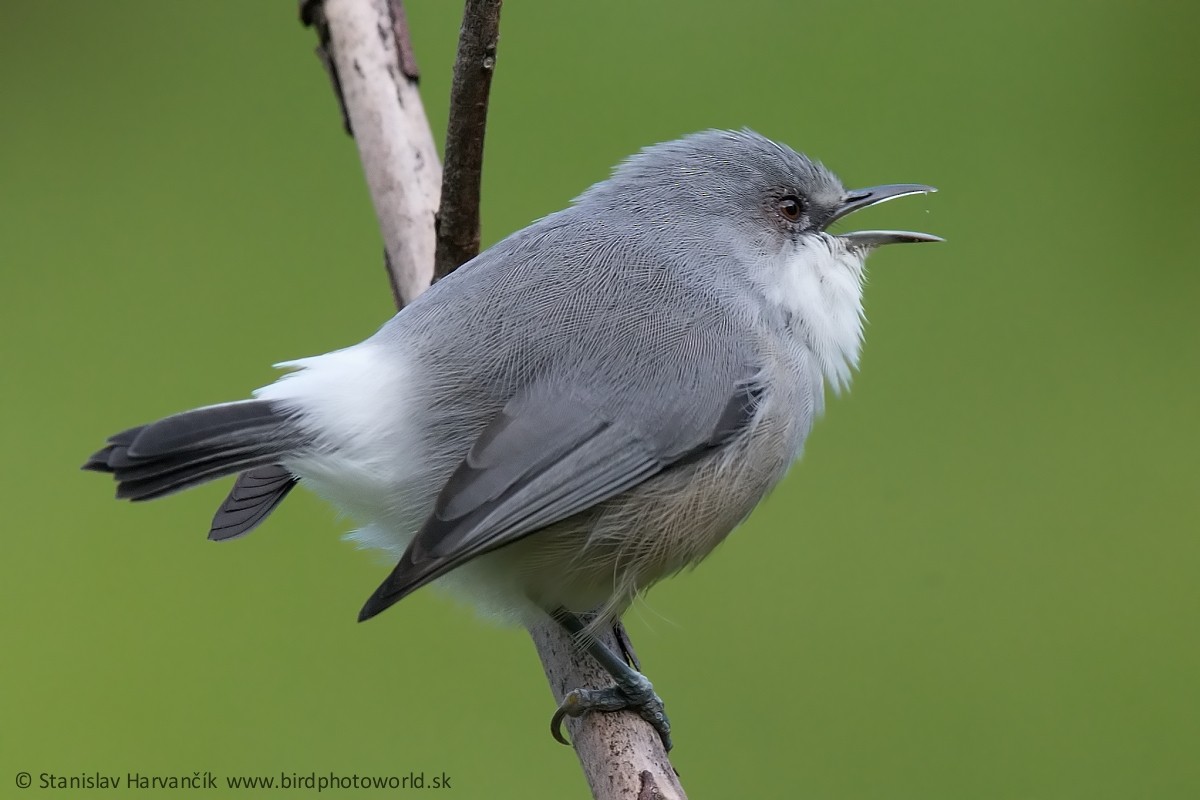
column 196, row 446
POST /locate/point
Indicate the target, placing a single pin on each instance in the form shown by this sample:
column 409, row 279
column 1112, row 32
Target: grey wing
column 546, row 457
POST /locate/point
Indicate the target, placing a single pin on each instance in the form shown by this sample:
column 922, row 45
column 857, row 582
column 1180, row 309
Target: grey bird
column 583, row 409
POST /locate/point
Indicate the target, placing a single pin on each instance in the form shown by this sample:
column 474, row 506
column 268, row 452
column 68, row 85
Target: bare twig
column 365, row 46
column 373, row 73
column 621, row 755
column 458, row 216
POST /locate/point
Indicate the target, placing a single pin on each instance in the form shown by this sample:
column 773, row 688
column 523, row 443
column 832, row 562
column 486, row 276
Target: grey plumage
column 183, row 450
column 585, row 408
column 254, row 495
column 547, row 457
column 572, row 298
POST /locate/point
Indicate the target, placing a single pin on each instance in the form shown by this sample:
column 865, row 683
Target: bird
column 585, row 408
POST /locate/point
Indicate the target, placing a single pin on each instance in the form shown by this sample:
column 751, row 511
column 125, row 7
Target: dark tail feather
column 196, row 446
column 254, row 495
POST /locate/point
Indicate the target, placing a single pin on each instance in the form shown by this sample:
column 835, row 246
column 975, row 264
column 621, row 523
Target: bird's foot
column 637, row 696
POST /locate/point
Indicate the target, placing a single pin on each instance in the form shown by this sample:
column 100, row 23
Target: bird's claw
column 640, row 699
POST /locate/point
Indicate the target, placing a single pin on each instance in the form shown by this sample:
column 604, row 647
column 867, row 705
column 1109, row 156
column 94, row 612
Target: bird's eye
column 791, row 208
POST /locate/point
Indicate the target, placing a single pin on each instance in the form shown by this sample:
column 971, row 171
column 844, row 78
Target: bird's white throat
column 818, row 287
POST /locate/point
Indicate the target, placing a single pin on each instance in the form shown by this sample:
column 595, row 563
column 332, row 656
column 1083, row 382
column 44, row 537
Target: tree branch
column 621, row 755
column 458, row 216
column 374, row 77
column 365, row 46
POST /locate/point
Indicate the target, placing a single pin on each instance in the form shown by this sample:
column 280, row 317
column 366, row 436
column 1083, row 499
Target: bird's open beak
column 858, row 199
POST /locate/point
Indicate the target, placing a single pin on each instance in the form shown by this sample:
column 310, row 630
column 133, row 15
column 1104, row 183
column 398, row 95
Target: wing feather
column 546, row 457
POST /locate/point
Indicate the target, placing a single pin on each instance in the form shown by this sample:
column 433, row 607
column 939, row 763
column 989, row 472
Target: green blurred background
column 981, row 582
